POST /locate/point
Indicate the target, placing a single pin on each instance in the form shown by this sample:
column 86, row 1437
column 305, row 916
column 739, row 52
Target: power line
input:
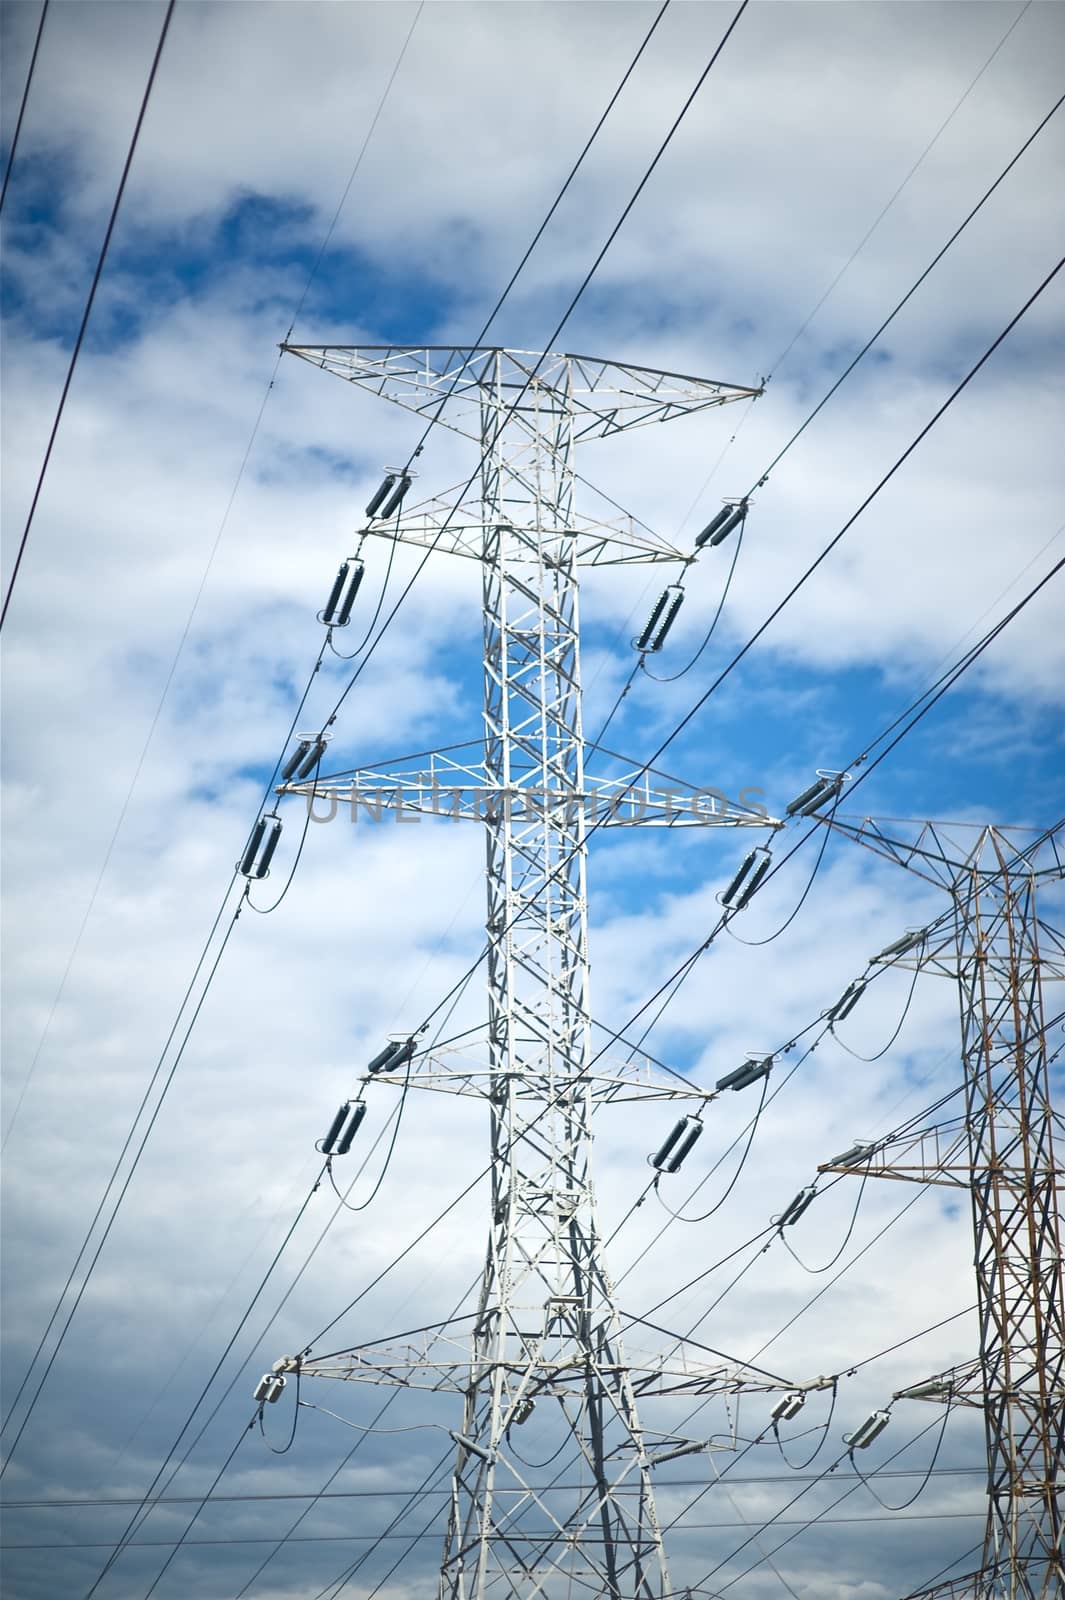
column 572, row 304
column 157, row 1071
column 911, row 291
column 860, row 246
column 281, row 1495
column 359, row 1538
column 198, row 596
column 943, row 126
column 22, row 103
column 114, row 1212
column 499, row 303
column 97, row 274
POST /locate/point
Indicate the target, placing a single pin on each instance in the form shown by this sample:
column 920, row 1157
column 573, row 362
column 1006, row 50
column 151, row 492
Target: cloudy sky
column 163, row 626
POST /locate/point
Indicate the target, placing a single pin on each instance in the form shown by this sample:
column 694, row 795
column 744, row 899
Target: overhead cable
column 22, row 103
column 94, row 285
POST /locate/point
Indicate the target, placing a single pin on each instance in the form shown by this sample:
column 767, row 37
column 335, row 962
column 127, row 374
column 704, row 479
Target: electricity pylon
column 547, row 1330
column 1003, row 958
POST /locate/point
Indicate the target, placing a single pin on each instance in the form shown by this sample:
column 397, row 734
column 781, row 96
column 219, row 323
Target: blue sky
column 813, row 120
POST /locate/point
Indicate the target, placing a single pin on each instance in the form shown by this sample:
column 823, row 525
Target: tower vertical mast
column 544, row 1286
column 1002, row 958
column 546, row 1334
column 1016, row 1222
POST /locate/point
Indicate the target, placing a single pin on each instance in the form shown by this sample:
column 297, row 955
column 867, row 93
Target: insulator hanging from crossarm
column 336, row 613
column 349, row 1118
column 909, row 941
column 788, row 1407
column 752, row 870
column 311, row 759
column 255, row 862
column 870, row 1429
column 394, row 1055
column 295, row 759
column 818, row 794
column 678, row 1146
column 358, row 1112
column 661, row 619
column 270, row 1387
column 749, row 1073
column 712, row 526
column 849, row 1157
column 847, row 1001
column 727, row 521
column 382, row 492
column 792, row 1212
column 395, row 499
column 692, row 1447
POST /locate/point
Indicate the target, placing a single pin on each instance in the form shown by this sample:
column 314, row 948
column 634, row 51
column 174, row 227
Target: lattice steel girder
column 629, row 800
column 534, row 1373
column 462, row 1070
column 595, row 397
column 1006, row 958
column 544, row 1267
column 455, row 525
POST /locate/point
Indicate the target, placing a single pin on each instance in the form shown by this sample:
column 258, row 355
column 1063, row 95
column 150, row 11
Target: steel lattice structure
column 547, row 1331
column 1003, row 957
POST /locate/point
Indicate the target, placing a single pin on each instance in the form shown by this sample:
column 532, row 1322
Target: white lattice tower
column 547, row 1331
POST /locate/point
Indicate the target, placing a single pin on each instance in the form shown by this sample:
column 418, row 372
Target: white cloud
column 813, row 118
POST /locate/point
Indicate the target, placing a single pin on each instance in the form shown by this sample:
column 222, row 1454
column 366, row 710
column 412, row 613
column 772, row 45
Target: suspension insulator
column 326, row 613
column 389, row 480
column 847, row 1001
column 794, row 1211
column 295, row 759
column 343, row 616
column 762, row 866
column 247, row 860
column 749, row 1073
column 326, row 1145
column 730, row 525
column 752, row 870
column 399, row 1055
column 259, row 1392
column 275, row 1389
column 813, row 798
column 268, row 848
column 678, row 1145
column 313, row 756
column 870, row 1429
column 789, row 1407
column 712, row 526
column 909, row 941
column 394, row 1054
column 395, row 499
column 380, row 1058
column 661, row 619
column 358, row 1111
column 851, row 1156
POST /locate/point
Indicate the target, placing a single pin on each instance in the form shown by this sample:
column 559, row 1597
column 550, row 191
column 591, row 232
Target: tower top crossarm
column 947, row 854
column 603, row 397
